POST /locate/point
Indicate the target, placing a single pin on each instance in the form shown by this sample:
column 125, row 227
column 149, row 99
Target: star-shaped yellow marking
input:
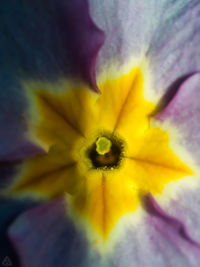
column 101, row 149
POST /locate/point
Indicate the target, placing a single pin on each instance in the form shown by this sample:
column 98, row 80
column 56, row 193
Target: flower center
column 106, row 152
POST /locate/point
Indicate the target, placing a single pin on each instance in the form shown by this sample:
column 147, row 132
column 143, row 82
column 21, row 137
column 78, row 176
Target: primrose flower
column 106, row 160
column 109, row 176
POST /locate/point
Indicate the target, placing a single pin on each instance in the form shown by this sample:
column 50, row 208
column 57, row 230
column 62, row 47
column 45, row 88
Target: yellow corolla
column 101, row 149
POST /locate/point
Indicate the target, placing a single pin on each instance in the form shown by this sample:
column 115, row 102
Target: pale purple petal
column 183, row 113
column 156, row 240
column 184, row 203
column 166, row 33
column 159, row 240
column 48, row 232
column 182, row 199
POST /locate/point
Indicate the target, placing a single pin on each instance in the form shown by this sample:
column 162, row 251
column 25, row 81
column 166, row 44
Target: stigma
column 103, row 145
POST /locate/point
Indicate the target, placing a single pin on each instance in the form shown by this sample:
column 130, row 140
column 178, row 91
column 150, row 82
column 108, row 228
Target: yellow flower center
column 105, row 177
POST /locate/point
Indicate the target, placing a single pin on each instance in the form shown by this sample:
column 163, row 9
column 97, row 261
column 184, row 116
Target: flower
column 131, row 201
column 101, row 149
